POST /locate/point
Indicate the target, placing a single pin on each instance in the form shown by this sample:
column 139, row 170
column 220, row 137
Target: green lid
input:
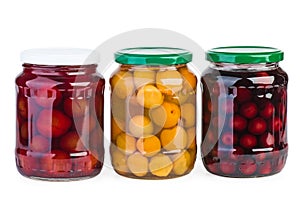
column 153, row 56
column 244, row 54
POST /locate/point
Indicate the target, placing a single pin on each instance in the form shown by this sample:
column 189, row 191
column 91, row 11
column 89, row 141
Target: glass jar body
column 244, row 111
column 153, row 121
column 59, row 122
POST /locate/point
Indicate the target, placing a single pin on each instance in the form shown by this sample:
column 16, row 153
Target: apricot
column 160, row 165
column 134, row 108
column 189, row 79
column 166, row 115
column 118, row 107
column 122, row 84
column 138, row 164
column 174, row 138
column 181, row 162
column 191, row 138
column 140, row 126
column 149, row 96
column 169, row 82
column 52, row 123
column 126, row 143
column 188, row 114
column 117, row 127
column 148, row 146
column 143, row 77
column 178, row 98
column 119, row 161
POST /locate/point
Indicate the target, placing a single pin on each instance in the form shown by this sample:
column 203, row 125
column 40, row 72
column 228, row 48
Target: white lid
column 60, row 56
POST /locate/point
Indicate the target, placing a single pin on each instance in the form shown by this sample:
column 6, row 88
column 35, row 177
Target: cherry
column 227, row 167
column 248, row 110
column 247, row 166
column 76, row 107
column 52, row 123
column 24, row 130
column 212, row 168
column 71, row 142
column 48, row 97
column 239, row 123
column 267, row 110
column 265, row 168
column 228, row 138
column 227, row 106
column 243, row 95
column 40, row 144
column 257, row 126
column 275, row 124
column 22, row 106
column 267, row 140
column 260, row 156
column 56, row 161
column 248, row 141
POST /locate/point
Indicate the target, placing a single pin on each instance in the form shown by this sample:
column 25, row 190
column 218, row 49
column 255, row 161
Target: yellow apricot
column 166, row 115
column 188, row 114
column 169, row 82
column 140, row 126
column 118, row 107
column 117, row 127
column 122, row 84
column 191, row 135
column 118, row 160
column 149, row 96
column 126, row 143
column 178, row 98
column 160, row 165
column 143, row 77
column 181, row 162
column 173, row 139
column 138, row 164
column 134, row 108
column 148, row 146
column 190, row 80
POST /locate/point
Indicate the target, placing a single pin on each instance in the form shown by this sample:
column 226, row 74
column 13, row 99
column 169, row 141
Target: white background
column 29, row 24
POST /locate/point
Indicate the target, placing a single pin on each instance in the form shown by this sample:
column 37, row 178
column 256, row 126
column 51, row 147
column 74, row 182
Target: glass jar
column 59, row 120
column 153, row 113
column 244, row 112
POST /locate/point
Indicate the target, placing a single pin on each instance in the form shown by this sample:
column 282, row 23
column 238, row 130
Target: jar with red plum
column 153, row 113
column 244, row 111
column 59, row 120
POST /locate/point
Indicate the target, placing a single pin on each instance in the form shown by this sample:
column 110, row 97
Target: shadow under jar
column 244, row 112
column 153, row 113
column 59, row 115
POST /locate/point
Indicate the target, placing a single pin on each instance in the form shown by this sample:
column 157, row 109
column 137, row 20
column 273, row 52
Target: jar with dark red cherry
column 153, row 113
column 244, row 111
column 59, row 120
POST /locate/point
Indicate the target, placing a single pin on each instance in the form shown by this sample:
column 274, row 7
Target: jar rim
column 244, row 54
column 60, row 56
column 153, row 56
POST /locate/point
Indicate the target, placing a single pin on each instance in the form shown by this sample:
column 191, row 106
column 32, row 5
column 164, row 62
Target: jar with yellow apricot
column 153, row 113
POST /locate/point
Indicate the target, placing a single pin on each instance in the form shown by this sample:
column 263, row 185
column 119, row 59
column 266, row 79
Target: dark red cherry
column 248, row 110
column 267, row 110
column 243, row 95
column 257, row 126
column 227, row 167
column 266, row 140
column 247, row 166
column 248, row 141
column 239, row 123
